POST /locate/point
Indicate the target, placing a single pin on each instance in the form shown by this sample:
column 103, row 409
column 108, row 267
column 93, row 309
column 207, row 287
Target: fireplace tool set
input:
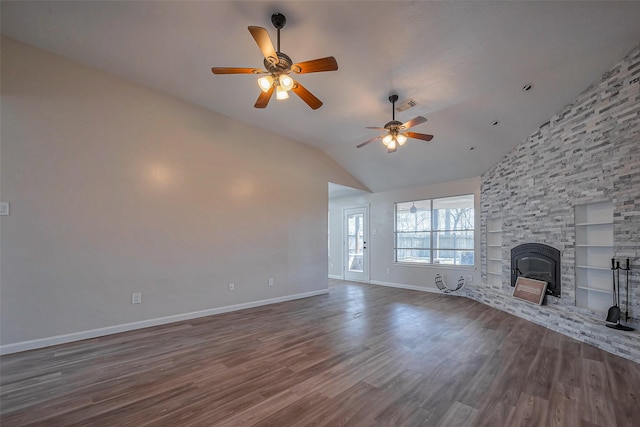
column 613, row 315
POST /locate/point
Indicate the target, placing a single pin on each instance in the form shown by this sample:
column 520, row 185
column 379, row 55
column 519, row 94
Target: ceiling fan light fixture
column 265, row 83
column 392, row 145
column 401, row 139
column 286, row 82
column 281, row 93
column 387, row 139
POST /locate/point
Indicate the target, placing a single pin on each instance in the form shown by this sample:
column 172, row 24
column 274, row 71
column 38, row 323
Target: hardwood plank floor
column 362, row 355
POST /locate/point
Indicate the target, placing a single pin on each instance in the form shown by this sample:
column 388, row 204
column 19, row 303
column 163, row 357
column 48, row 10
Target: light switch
column 4, row 208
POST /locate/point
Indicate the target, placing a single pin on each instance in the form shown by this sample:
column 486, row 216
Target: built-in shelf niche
column 494, row 251
column 594, row 250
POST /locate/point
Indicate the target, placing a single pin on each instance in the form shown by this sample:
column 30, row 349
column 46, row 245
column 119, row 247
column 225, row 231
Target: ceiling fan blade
column 306, row 96
column 375, row 127
column 422, row 136
column 264, row 98
column 231, row 70
column 413, row 122
column 368, row 142
column 261, row 36
column 316, row 65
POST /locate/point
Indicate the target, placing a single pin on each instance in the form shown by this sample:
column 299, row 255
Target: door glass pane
column 355, row 239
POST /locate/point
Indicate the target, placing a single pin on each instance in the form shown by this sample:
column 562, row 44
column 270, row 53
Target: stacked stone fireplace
column 587, row 153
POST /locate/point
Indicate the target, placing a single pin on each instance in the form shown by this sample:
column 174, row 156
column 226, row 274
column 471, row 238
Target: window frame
column 433, row 231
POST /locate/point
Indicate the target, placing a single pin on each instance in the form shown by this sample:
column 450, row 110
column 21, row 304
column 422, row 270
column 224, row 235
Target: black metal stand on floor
column 617, row 325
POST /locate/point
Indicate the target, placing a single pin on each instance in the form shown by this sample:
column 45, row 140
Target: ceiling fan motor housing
column 282, row 67
column 393, row 125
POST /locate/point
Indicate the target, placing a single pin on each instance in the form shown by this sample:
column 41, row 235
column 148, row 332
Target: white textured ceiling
column 464, row 63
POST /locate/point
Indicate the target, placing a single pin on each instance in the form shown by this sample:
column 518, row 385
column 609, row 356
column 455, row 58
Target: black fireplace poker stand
column 613, row 317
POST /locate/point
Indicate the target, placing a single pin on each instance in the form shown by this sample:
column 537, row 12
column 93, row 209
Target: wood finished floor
column 362, row 355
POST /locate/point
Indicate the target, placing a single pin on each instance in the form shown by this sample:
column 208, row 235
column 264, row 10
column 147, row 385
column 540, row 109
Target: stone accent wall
column 589, row 152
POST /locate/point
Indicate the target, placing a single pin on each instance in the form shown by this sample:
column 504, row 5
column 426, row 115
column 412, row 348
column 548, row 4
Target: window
column 438, row 231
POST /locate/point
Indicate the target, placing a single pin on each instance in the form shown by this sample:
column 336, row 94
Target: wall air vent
column 406, row 104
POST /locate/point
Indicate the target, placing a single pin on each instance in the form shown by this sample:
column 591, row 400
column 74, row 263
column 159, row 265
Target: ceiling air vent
column 406, row 104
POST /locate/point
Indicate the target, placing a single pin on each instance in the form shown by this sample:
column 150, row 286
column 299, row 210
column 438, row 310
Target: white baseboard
column 93, row 333
column 403, row 286
column 336, row 276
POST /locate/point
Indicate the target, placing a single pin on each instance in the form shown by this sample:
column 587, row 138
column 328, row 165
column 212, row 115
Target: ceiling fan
column 278, row 67
column 396, row 131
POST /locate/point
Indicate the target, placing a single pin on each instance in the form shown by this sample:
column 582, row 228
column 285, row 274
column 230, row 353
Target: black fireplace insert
column 537, row 261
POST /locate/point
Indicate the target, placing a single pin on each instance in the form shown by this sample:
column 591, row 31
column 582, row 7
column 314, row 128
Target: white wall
column 115, row 188
column 380, row 244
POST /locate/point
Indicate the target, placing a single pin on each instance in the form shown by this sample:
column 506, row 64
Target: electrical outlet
column 232, row 287
column 388, row 270
column 271, row 281
column 136, row 298
column 470, row 278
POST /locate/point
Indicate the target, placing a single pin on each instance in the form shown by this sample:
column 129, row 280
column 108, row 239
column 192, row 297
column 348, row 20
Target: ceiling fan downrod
column 393, row 126
column 279, row 21
column 393, row 99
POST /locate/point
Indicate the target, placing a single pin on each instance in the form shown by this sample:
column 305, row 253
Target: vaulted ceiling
column 463, row 63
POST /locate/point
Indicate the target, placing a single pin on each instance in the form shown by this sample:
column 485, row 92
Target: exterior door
column 356, row 257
